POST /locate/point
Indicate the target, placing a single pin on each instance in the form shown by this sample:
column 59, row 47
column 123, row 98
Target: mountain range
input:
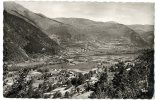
column 27, row 33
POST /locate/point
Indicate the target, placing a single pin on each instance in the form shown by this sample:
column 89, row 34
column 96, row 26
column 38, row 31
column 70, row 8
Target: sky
column 125, row 13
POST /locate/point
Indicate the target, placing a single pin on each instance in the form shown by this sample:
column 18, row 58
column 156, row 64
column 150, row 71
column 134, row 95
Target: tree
column 90, row 73
column 81, row 79
column 103, row 77
column 67, row 94
column 19, row 88
column 46, row 86
column 74, row 81
column 137, row 82
column 69, row 84
column 146, row 69
column 87, row 76
column 78, row 90
column 54, row 86
column 57, row 95
column 5, row 70
column 93, row 95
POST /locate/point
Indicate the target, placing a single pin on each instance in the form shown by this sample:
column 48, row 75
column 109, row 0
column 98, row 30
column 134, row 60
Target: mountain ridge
column 63, row 31
column 80, row 32
column 22, row 39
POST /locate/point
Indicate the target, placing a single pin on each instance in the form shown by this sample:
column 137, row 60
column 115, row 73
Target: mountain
column 79, row 32
column 145, row 31
column 54, row 29
column 86, row 30
column 141, row 28
column 22, row 39
column 67, row 30
column 149, row 37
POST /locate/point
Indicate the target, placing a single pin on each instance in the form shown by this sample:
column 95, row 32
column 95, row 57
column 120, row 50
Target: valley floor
column 75, row 77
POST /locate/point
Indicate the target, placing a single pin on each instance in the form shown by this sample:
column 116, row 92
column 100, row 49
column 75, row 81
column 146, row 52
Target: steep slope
column 22, row 39
column 54, row 29
column 145, row 31
column 149, row 37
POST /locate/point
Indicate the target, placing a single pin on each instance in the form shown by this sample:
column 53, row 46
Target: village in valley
column 62, row 82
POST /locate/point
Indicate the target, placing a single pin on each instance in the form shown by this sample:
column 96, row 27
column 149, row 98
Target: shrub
column 67, row 94
column 57, row 95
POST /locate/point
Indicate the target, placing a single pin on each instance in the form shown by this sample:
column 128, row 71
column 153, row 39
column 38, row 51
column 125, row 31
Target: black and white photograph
column 78, row 50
